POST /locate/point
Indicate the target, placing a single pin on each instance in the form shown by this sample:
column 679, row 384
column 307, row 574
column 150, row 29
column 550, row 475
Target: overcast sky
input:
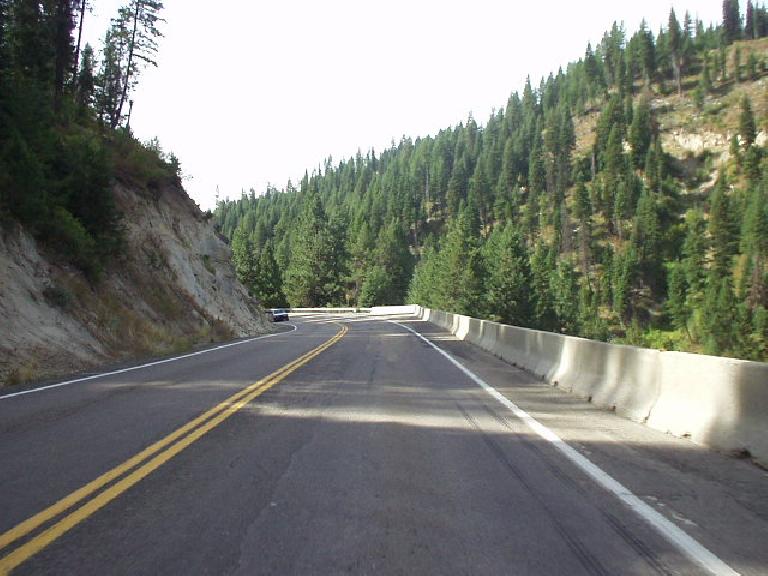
column 254, row 92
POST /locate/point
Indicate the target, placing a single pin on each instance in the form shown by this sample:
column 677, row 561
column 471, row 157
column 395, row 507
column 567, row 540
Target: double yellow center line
column 152, row 457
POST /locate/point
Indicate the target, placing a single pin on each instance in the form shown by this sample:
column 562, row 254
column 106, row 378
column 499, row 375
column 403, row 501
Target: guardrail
column 374, row 311
column 714, row 401
column 329, row 310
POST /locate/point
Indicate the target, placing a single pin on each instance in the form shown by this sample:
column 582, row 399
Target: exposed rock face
column 697, row 143
column 173, row 288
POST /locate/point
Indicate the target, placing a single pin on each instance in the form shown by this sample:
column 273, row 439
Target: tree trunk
column 676, row 68
column 76, row 63
column 128, row 67
column 62, row 23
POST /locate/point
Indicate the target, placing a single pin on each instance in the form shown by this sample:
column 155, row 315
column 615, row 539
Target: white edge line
column 685, row 543
column 147, row 365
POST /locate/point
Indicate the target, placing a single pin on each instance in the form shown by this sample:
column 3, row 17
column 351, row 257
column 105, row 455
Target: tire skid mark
column 621, row 530
column 588, row 560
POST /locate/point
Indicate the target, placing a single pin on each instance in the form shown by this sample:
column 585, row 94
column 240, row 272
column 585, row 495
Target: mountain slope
column 173, row 287
column 625, row 198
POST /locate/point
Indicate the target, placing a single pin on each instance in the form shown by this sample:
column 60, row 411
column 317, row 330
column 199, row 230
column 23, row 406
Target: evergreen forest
column 563, row 212
column 65, row 134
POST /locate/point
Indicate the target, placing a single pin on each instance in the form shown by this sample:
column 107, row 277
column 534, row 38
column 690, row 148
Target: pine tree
column 622, row 278
column 392, row 260
column 640, row 132
column 565, row 293
column 130, row 42
column 244, row 259
column 85, row 84
column 376, row 286
column 719, row 328
column 646, row 240
column 694, row 253
column 590, row 324
column 583, row 214
column 542, row 264
column 64, row 24
column 317, row 265
column 752, row 66
column 731, row 21
column 461, row 260
column 706, row 78
column 269, row 284
column 721, row 228
column 722, row 61
column 423, row 288
column 360, row 252
column 675, row 44
column 747, row 129
column 677, row 303
column 754, row 245
column 509, row 277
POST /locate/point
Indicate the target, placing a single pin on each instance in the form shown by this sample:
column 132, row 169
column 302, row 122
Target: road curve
column 353, row 446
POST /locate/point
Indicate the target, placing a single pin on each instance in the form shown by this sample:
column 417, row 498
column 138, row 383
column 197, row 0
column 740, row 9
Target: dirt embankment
column 173, row 288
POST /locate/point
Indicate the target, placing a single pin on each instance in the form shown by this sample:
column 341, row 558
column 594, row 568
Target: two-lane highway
column 353, row 445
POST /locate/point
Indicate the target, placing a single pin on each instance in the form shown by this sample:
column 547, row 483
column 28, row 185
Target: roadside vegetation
column 64, row 124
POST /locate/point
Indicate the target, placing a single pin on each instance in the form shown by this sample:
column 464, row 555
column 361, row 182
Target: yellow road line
column 217, row 415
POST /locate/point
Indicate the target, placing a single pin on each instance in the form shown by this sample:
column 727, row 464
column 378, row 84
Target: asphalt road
column 352, row 446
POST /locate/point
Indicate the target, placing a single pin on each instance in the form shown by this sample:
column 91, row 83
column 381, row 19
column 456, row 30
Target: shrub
column 69, row 237
column 58, row 297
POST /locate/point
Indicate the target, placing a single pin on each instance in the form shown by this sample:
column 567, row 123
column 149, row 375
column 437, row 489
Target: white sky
column 252, row 91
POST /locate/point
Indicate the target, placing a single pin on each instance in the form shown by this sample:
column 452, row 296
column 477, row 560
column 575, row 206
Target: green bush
column 58, row 297
column 68, row 236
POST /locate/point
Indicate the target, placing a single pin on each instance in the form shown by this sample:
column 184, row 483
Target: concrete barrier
column 394, row 310
column 328, row 310
column 717, row 402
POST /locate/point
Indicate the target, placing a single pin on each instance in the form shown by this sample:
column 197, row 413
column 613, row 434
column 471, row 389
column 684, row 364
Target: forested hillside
column 622, row 198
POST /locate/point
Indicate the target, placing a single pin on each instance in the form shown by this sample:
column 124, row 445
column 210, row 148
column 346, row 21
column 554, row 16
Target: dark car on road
column 277, row 314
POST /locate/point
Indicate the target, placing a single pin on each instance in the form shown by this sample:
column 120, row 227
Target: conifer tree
column 85, row 84
column 244, row 259
column 565, row 295
column 130, row 42
column 754, row 245
column 640, row 132
column 376, row 286
column 731, row 21
column 462, row 263
column 694, row 253
column 721, row 228
column 583, row 214
column 646, row 240
column 589, row 321
column 623, row 268
column 752, row 66
column 719, row 328
column 423, row 288
column 747, row 129
column 314, row 276
column 542, row 264
column 268, row 287
column 675, row 44
column 64, row 24
column 509, row 277
column 677, row 303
